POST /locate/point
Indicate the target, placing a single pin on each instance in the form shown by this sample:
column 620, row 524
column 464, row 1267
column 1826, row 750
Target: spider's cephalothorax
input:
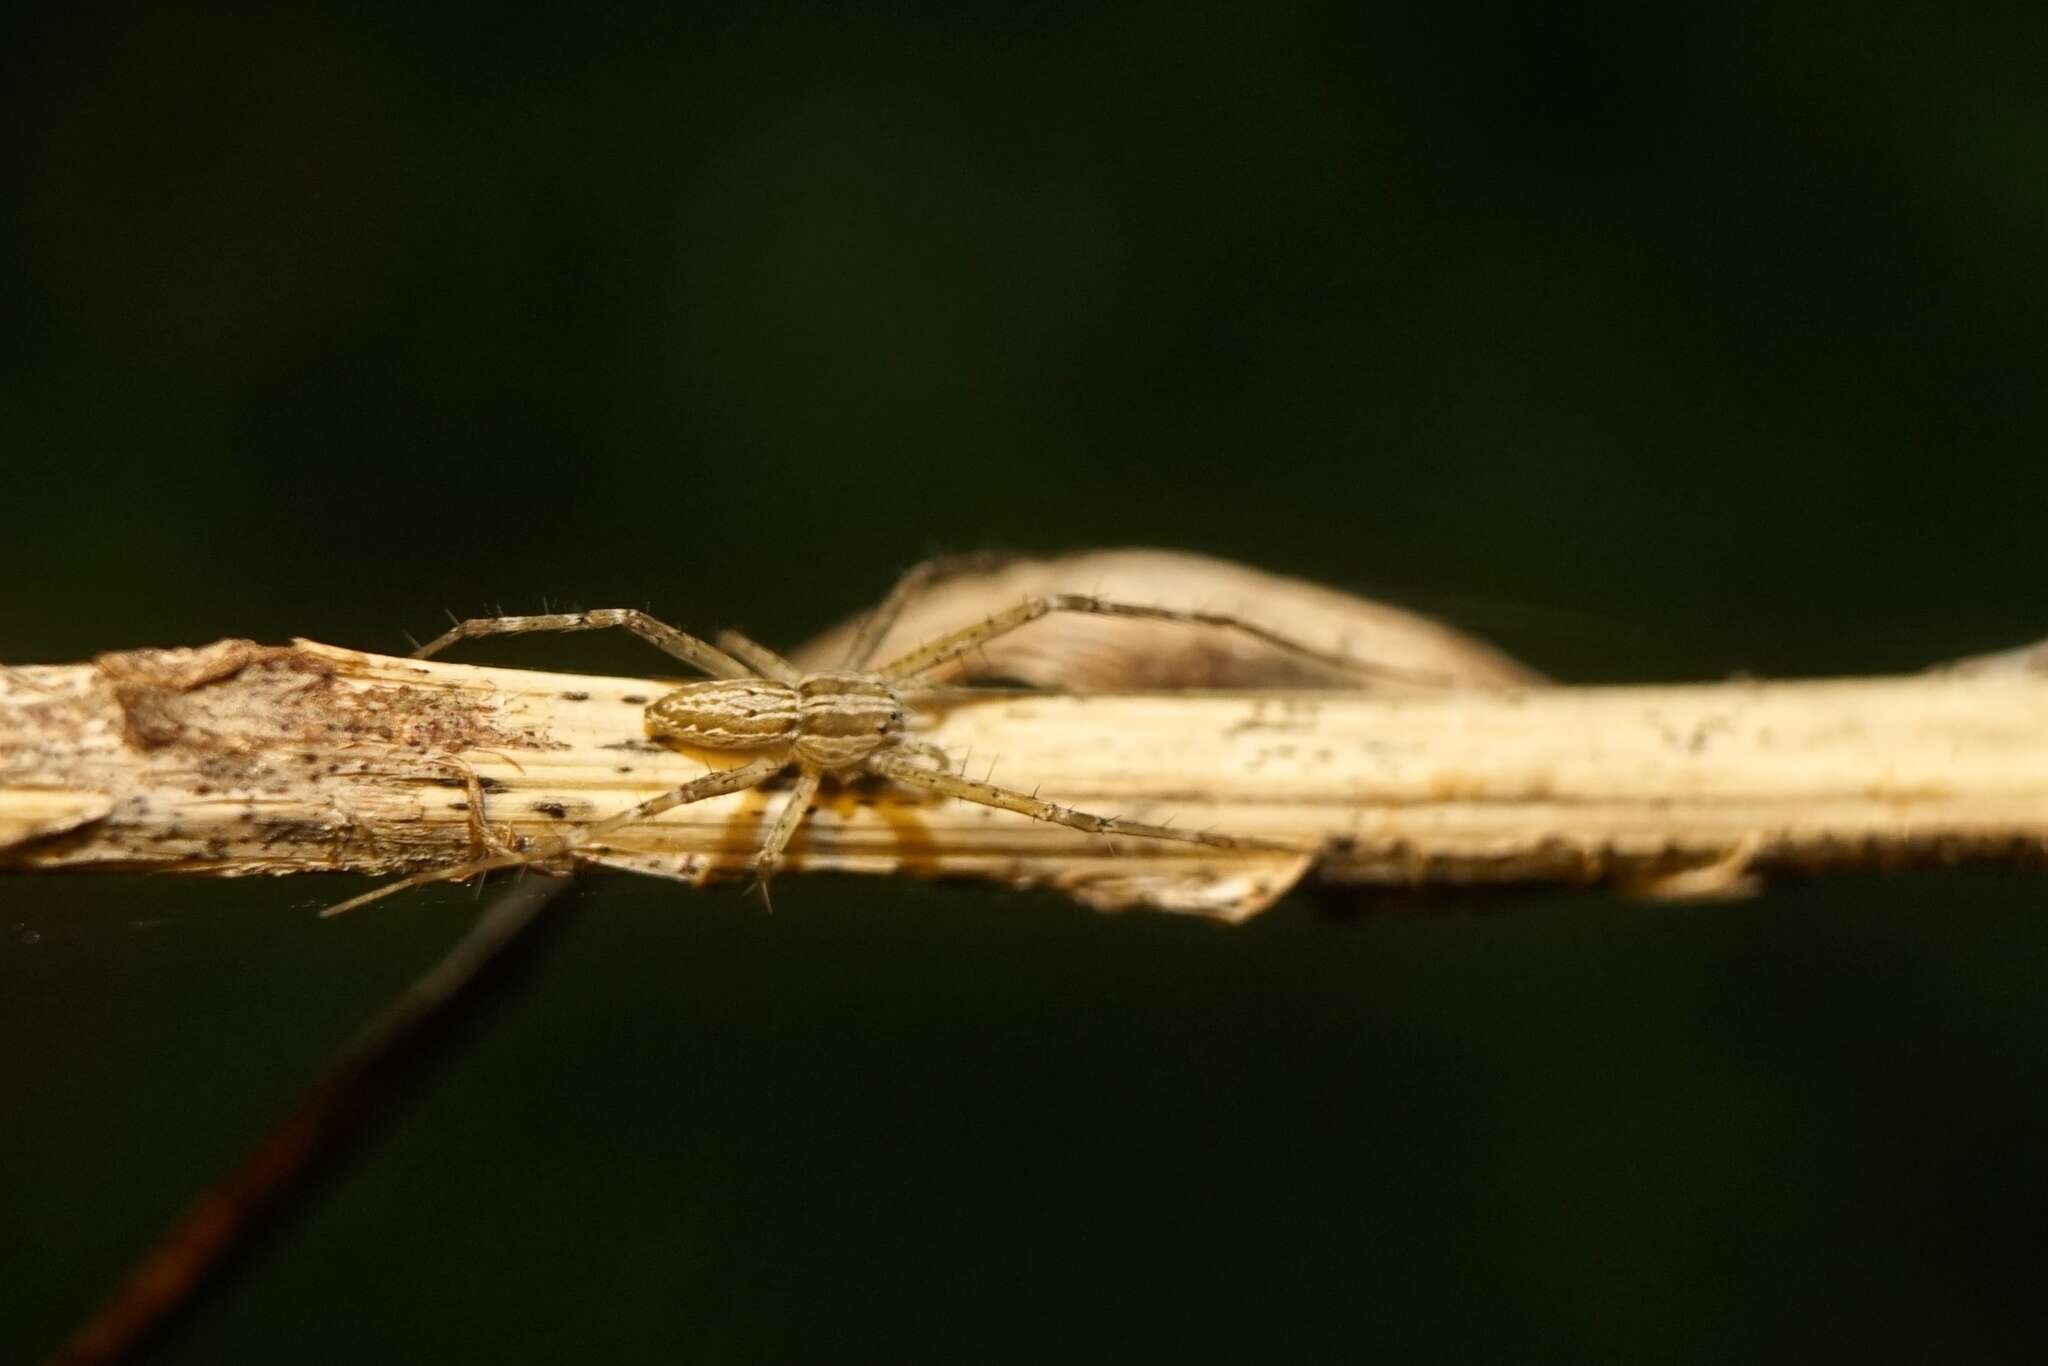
column 827, row 722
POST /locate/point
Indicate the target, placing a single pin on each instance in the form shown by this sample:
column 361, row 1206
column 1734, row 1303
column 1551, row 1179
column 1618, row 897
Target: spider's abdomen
column 728, row 713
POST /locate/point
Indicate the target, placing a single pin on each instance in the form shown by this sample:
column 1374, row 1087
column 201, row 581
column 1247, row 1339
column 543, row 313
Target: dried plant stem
column 238, row 758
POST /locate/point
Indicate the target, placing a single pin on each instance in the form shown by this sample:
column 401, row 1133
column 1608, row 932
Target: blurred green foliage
column 1652, row 343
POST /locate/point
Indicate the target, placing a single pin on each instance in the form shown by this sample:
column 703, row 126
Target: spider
column 834, row 724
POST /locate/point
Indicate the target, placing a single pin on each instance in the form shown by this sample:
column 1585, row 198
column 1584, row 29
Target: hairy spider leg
column 759, row 658
column 900, row 769
column 715, row 784
column 954, row 644
column 869, row 638
column 677, row 644
column 786, row 822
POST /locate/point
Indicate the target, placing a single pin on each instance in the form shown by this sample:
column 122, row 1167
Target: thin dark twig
column 222, row 1227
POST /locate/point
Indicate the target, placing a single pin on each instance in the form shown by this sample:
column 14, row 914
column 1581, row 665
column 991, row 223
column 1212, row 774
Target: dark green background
column 1651, row 347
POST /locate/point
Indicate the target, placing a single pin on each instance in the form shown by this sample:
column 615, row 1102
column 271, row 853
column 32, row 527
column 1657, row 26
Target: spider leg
column 481, row 836
column 759, row 658
column 714, row 784
column 911, row 774
column 786, row 822
column 678, row 644
column 925, row 750
column 953, row 644
column 869, row 638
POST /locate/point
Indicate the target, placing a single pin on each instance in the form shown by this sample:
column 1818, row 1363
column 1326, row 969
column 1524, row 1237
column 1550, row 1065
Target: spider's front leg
column 967, row 639
column 901, row 768
column 868, row 638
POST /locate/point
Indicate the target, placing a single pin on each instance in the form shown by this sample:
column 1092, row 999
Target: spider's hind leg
column 662, row 636
column 759, row 657
column 714, row 784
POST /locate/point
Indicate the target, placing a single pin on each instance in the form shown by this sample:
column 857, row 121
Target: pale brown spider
column 836, row 723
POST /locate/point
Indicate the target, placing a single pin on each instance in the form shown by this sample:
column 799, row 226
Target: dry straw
column 238, row 758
